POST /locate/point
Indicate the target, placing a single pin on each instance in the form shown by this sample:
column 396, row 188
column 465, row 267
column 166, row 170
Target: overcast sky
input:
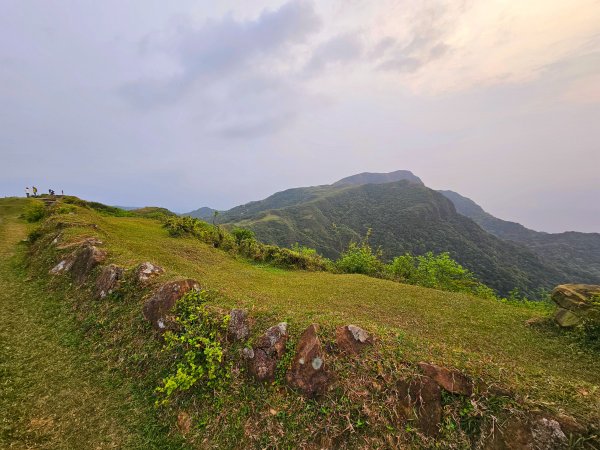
column 185, row 104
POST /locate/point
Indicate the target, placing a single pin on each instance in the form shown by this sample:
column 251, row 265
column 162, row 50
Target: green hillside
column 517, row 368
column 404, row 217
column 576, row 254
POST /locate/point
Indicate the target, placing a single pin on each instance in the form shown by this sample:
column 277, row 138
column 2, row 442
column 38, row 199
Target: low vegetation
column 204, row 398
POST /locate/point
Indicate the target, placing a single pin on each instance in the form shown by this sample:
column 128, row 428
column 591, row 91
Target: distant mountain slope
column 203, row 213
column 576, row 254
column 405, row 216
column 378, row 178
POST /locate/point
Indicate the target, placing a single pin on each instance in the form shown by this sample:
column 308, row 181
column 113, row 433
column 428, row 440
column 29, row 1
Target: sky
column 184, row 104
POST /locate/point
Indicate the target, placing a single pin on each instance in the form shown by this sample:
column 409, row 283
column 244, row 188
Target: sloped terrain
column 404, row 216
column 517, row 369
column 575, row 254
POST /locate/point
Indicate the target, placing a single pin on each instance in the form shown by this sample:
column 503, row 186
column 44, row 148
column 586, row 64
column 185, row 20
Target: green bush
column 35, row 211
column 360, row 258
column 196, row 345
column 242, row 234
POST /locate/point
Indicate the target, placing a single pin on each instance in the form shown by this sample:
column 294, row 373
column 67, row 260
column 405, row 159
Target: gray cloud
column 339, row 49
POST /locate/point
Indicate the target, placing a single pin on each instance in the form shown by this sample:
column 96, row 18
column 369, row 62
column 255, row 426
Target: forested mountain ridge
column 577, row 254
column 404, row 216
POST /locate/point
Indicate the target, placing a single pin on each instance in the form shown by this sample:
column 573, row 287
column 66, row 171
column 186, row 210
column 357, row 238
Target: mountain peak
column 378, row 178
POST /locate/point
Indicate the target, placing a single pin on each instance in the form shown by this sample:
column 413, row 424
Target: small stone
column 85, row 260
column 451, row 380
column 238, row 328
column 146, row 270
column 158, row 307
column 62, row 267
column 312, row 379
column 547, row 434
column 108, row 280
column 269, row 348
column 352, row 339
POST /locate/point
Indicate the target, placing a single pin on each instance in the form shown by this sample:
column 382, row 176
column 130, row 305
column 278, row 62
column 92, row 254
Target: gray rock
column 146, row 271
column 308, row 372
column 239, row 327
column 108, row 281
column 269, row 348
column 158, row 308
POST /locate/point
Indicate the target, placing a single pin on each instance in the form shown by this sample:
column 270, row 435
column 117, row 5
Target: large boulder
column 308, row 372
column 109, row 280
column 421, row 403
column 269, row 348
column 158, row 308
column 451, row 380
column 239, row 326
column 352, row 339
column 576, row 302
column 146, row 271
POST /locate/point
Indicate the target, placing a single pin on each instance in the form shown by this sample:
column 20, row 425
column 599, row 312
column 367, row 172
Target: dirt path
column 52, row 393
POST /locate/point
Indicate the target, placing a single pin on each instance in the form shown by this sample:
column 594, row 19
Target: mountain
column 577, row 254
column 405, row 216
column 204, row 213
column 378, row 178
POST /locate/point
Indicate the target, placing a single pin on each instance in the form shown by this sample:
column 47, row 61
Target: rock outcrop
column 451, row 380
column 269, row 348
column 109, row 280
column 80, row 263
column 308, row 371
column 352, row 339
column 239, row 326
column 158, row 307
column 576, row 302
column 421, row 401
column 146, row 271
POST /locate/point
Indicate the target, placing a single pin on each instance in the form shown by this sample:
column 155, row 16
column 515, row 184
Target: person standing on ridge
column 27, row 191
column 34, row 191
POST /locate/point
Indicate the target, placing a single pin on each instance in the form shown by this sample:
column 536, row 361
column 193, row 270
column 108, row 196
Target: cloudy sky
column 191, row 103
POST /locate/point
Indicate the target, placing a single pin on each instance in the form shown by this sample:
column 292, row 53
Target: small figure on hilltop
column 51, row 192
column 34, row 191
column 27, row 192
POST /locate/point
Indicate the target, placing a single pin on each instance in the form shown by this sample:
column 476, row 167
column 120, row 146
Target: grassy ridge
column 488, row 340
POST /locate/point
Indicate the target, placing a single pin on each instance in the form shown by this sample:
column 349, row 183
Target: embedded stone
column 269, row 348
column 109, row 280
column 451, row 380
column 421, row 403
column 158, row 308
column 86, row 259
column 308, row 372
column 146, row 271
column 522, row 433
column 576, row 302
column 239, row 327
column 352, row 339
column 63, row 266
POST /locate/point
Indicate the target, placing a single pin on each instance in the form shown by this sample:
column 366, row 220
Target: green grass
column 488, row 340
column 54, row 393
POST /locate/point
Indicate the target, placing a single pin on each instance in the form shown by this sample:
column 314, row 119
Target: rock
column 146, row 270
column 86, row 258
column 157, row 308
column 63, row 266
column 576, row 302
column 451, row 380
column 269, row 348
column 421, row 401
column 352, row 339
column 519, row 433
column 308, row 371
column 108, row 281
column 239, row 327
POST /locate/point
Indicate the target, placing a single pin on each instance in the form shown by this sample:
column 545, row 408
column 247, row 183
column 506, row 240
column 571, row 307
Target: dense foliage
column 405, row 217
column 196, row 344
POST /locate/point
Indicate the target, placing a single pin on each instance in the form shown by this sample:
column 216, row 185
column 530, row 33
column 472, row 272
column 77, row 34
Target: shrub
column 360, row 258
column 35, row 211
column 241, row 234
column 197, row 346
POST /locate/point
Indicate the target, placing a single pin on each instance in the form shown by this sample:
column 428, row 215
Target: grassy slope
column 481, row 336
column 486, row 339
column 54, row 393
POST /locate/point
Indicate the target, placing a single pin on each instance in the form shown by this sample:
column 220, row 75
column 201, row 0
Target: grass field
column 51, row 378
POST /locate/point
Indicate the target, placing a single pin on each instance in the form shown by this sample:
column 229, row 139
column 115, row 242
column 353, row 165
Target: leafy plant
column 35, row 212
column 197, row 346
column 360, row 258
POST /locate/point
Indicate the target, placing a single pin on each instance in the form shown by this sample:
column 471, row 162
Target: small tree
column 360, row 258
